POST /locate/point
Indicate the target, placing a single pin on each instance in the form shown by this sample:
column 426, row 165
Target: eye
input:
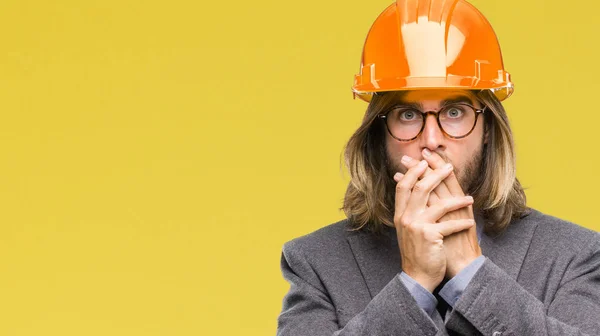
column 407, row 115
column 454, row 112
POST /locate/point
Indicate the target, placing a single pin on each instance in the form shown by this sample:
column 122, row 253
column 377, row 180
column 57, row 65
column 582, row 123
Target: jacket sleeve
column 308, row 309
column 495, row 304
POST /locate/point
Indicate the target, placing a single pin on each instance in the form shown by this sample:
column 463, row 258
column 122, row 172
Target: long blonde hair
column 369, row 199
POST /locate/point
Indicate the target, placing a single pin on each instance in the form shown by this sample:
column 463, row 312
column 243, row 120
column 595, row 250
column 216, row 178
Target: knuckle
column 404, row 185
column 418, row 187
column 421, row 186
column 407, row 223
column 398, row 219
column 400, row 186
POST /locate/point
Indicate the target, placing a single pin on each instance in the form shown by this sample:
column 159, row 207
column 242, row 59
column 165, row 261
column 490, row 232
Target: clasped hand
column 434, row 221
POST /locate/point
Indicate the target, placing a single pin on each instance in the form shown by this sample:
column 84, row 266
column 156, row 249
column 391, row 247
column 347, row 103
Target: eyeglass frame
column 425, row 114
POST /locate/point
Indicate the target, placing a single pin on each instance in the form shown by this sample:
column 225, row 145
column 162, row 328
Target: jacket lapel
column 508, row 250
column 378, row 257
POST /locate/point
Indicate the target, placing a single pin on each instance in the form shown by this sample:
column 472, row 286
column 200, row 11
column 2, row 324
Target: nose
column 432, row 137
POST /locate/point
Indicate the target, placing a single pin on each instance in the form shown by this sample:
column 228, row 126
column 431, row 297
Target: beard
column 468, row 176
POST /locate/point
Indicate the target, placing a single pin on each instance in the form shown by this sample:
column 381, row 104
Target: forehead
column 436, row 96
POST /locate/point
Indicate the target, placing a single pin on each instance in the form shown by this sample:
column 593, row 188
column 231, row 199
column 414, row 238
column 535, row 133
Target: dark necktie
column 442, row 306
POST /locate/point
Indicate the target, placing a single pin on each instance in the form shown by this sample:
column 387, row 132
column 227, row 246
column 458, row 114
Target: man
column 416, row 256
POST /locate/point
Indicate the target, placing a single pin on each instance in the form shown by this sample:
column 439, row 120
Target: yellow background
column 156, row 155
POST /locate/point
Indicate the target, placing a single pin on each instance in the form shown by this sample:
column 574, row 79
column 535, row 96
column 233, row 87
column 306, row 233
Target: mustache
column 393, row 166
column 442, row 155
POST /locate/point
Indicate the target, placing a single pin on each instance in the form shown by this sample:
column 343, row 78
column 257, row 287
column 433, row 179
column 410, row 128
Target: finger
column 441, row 190
column 453, row 226
column 405, row 185
column 436, row 211
column 423, row 188
column 435, row 161
column 433, row 198
column 409, row 162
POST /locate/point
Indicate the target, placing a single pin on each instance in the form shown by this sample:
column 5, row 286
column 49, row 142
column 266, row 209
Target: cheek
column 461, row 151
column 477, row 138
column 396, row 149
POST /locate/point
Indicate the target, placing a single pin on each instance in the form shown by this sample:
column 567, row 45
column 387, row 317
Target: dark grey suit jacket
column 541, row 277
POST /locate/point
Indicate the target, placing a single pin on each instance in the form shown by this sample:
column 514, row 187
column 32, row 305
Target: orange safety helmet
column 420, row 44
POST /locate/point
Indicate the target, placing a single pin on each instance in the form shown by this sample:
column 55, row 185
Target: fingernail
column 423, row 163
column 469, row 198
column 406, row 159
column 448, row 166
column 397, row 177
column 426, row 152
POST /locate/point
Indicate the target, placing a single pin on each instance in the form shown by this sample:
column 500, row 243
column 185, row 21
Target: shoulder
column 335, row 245
column 319, row 255
column 559, row 233
column 329, row 238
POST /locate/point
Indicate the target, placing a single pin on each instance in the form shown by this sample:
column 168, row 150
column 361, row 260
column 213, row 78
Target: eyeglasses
column 456, row 121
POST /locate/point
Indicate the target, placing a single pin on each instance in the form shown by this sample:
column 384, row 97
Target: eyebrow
column 458, row 99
